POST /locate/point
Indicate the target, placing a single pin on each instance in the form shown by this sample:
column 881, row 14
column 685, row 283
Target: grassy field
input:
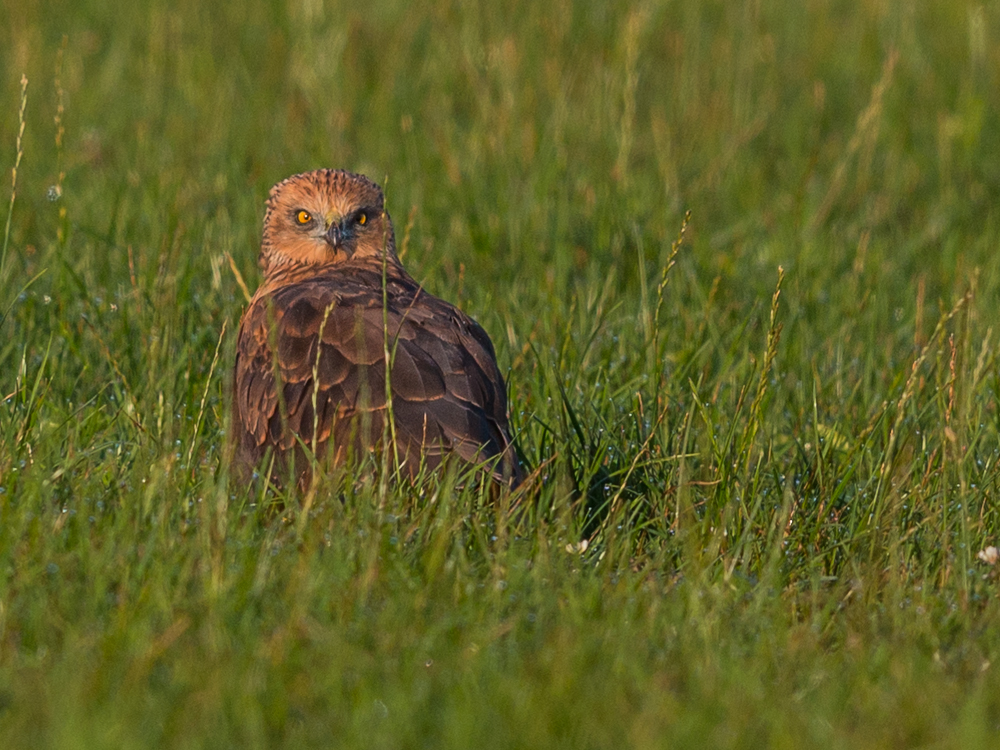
column 765, row 456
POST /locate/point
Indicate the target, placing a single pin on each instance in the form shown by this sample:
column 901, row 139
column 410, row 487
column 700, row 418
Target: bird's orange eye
column 303, row 217
column 362, row 219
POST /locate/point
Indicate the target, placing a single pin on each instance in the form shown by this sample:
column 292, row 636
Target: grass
column 765, row 454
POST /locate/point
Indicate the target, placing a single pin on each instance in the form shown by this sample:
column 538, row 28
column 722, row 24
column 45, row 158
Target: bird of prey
column 339, row 336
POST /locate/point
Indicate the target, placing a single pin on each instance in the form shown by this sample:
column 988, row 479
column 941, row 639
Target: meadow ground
column 765, row 459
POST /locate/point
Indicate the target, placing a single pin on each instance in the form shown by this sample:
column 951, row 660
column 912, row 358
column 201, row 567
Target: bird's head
column 324, row 217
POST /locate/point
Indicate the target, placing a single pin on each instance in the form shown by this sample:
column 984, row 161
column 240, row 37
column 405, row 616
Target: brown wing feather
column 330, row 333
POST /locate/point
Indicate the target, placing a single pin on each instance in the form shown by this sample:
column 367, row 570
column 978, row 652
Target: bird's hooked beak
column 335, row 238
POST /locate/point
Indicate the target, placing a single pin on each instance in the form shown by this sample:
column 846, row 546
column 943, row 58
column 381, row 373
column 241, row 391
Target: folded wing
column 311, row 366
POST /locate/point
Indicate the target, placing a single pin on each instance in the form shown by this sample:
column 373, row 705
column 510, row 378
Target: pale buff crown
column 317, row 219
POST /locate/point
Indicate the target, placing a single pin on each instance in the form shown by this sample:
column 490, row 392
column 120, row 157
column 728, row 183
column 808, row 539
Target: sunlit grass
column 739, row 264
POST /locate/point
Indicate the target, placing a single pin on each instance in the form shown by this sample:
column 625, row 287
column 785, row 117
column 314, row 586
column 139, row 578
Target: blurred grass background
column 755, row 517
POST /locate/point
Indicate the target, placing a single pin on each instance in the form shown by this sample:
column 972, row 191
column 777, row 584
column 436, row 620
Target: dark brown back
column 321, row 342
